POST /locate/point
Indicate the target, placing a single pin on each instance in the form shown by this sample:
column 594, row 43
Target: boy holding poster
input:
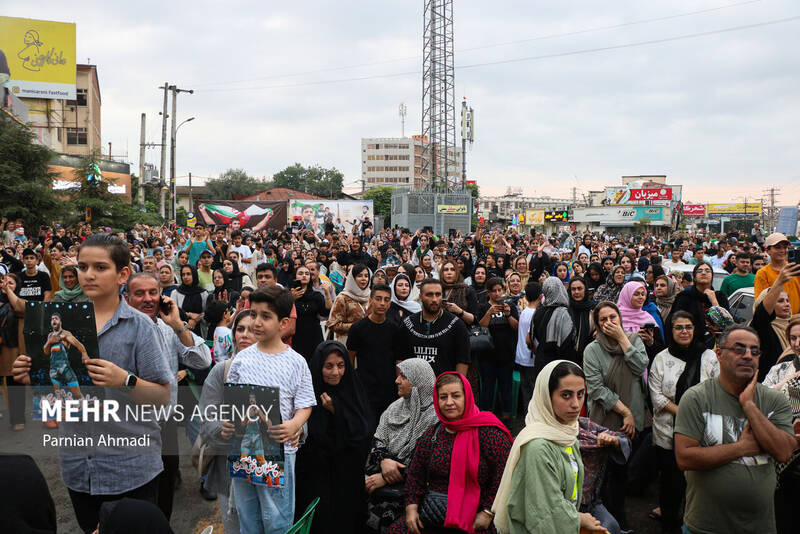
column 272, row 364
column 133, row 370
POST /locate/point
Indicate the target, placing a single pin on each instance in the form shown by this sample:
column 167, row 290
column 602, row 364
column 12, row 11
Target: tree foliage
column 106, row 209
column 234, row 182
column 25, row 178
column 316, row 180
column 382, row 202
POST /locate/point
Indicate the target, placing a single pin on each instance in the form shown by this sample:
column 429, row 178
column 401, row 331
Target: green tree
column 475, row 192
column 381, row 198
column 316, row 180
column 150, row 192
column 25, row 179
column 107, row 209
column 234, row 182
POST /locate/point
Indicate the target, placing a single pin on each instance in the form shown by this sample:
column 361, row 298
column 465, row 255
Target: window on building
column 76, row 136
column 80, row 99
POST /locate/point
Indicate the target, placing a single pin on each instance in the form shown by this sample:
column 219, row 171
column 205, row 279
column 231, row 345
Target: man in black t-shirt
column 373, row 342
column 34, row 284
column 434, row 334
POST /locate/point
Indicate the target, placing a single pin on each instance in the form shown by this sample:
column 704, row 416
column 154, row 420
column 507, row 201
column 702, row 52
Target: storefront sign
column 752, row 209
column 556, row 216
column 694, row 210
column 452, row 209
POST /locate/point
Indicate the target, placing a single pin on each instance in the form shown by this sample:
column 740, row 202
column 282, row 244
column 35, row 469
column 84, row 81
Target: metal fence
column 418, row 209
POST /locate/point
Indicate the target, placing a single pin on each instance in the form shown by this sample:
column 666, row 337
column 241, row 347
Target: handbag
column 201, row 449
column 480, row 339
column 433, row 510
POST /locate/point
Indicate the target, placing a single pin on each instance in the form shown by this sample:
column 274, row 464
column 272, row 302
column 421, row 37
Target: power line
column 520, row 59
column 487, row 46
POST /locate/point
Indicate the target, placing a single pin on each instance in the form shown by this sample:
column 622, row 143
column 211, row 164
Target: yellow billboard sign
column 41, row 57
column 739, row 209
column 534, row 217
column 451, row 209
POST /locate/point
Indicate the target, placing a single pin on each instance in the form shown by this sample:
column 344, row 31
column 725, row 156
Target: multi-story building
column 397, row 162
column 69, row 126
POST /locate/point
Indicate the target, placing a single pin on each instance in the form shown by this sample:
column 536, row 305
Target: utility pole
column 142, row 142
column 175, row 92
column 163, row 169
column 191, row 202
column 467, row 134
column 403, row 112
column 574, row 196
column 771, row 219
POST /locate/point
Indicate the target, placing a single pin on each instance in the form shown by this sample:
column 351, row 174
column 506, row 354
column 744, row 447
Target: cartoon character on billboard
column 30, row 52
column 58, row 343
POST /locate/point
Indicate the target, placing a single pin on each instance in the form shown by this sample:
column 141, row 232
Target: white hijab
column 541, row 422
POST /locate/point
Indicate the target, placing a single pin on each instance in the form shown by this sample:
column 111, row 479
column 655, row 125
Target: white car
column 719, row 274
column 741, row 305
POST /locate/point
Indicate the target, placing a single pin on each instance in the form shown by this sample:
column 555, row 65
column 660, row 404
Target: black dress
column 308, row 332
column 330, row 465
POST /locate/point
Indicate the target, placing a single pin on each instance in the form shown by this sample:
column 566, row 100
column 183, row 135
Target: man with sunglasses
column 729, row 432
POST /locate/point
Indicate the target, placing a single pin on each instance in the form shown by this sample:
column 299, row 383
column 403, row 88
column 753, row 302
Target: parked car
column 741, row 305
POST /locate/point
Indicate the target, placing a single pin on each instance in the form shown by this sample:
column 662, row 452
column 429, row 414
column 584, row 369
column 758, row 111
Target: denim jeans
column 264, row 509
column 492, row 372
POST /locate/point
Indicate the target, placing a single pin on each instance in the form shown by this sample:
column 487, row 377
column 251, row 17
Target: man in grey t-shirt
column 729, row 431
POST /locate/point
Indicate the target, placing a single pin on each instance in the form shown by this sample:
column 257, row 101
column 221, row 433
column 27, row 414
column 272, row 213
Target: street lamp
column 172, row 168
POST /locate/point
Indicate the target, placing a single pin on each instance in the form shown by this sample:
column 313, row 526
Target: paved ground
column 191, row 514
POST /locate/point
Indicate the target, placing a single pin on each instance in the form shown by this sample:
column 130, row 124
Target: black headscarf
column 285, row 278
column 132, row 516
column 234, row 279
column 193, row 294
column 581, row 311
column 8, row 322
column 590, row 283
column 691, row 355
column 27, row 504
column 350, row 427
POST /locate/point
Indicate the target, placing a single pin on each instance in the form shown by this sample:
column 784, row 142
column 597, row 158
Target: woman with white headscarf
column 404, row 299
column 552, row 326
column 542, row 483
column 399, row 429
column 350, row 305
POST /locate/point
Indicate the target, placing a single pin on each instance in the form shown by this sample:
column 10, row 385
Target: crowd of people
column 403, row 359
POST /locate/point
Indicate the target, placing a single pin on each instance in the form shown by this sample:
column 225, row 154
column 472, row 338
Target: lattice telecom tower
column 438, row 165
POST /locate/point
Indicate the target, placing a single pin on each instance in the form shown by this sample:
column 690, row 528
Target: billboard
column 639, row 195
column 694, row 210
column 254, row 215
column 753, row 209
column 41, row 57
column 451, row 209
column 316, row 214
column 534, row 217
column 556, row 216
column 612, row 215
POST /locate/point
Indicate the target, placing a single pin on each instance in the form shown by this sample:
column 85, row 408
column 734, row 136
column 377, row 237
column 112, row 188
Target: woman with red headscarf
column 457, row 465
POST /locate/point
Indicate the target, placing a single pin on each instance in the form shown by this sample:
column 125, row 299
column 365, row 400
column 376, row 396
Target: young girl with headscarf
column 542, row 482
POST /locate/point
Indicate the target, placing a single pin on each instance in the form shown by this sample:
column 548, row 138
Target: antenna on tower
column 438, row 100
column 403, row 112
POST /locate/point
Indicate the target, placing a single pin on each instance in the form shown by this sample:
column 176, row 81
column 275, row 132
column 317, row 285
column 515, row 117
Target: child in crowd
column 272, row 363
column 218, row 314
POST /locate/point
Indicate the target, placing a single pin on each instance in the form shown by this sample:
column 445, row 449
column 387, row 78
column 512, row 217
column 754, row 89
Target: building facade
column 71, row 127
column 397, row 162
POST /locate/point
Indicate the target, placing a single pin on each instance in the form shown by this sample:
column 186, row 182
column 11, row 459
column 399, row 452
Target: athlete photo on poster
column 59, row 338
column 254, row 455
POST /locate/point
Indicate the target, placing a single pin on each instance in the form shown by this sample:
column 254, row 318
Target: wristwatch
column 130, row 382
column 183, row 329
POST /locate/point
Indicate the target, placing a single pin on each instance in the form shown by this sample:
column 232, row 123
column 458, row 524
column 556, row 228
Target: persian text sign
column 451, row 209
column 41, row 57
column 643, row 195
column 734, row 210
column 694, row 210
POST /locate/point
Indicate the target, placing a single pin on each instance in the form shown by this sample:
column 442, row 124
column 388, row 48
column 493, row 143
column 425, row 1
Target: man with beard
column 434, row 334
column 729, row 432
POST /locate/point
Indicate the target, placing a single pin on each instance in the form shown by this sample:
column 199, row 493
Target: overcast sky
column 718, row 113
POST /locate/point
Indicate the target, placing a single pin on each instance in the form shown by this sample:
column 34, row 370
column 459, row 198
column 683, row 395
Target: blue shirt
column 130, row 340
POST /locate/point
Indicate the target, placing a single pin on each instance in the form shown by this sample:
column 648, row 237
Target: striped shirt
column 286, row 370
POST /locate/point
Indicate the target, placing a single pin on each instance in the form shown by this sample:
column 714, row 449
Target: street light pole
column 175, row 92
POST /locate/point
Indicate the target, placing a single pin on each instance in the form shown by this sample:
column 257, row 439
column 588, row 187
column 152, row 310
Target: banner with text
column 751, row 209
column 40, row 56
column 694, row 210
